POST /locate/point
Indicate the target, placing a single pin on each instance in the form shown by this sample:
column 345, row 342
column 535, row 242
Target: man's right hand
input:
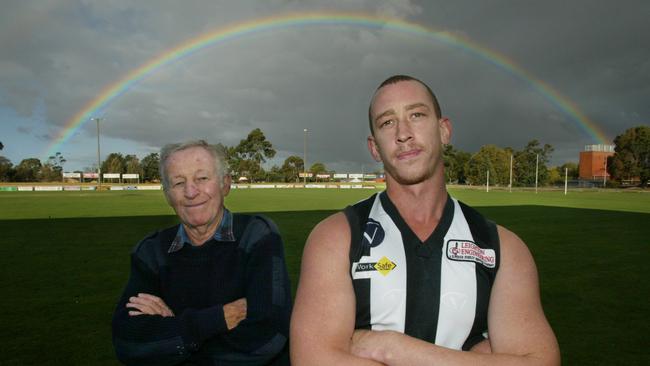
column 234, row 312
column 148, row 304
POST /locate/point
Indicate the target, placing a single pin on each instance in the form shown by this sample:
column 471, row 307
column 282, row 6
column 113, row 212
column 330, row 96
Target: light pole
column 304, row 162
column 510, row 185
column 99, row 169
column 536, row 170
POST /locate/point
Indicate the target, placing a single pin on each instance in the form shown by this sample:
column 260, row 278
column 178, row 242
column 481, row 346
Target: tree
column 275, row 174
column 150, row 167
column 317, row 168
column 132, row 165
column 525, row 163
column 490, row 158
column 573, row 172
column 255, row 149
column 28, row 170
column 6, row 170
column 555, row 176
column 114, row 163
column 51, row 170
column 631, row 155
column 1, row 146
column 234, row 159
column 292, row 166
column 455, row 162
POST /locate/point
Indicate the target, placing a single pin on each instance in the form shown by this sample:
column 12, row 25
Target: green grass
column 65, row 260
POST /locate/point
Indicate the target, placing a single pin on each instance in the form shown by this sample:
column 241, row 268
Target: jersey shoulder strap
column 357, row 216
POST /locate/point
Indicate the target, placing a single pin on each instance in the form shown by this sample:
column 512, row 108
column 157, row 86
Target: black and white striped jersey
column 437, row 290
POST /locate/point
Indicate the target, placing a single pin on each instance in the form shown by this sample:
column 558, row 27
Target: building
column 593, row 162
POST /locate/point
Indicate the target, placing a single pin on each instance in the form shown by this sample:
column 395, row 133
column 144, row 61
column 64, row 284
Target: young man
column 412, row 276
column 213, row 290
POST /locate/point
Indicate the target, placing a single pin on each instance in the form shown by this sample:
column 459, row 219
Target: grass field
column 65, row 260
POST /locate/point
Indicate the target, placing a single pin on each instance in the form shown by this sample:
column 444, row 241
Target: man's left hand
column 148, row 304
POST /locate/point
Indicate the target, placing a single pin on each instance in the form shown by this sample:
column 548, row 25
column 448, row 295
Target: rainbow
column 191, row 46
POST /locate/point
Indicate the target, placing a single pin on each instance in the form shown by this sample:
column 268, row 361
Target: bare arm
column 519, row 331
column 324, row 311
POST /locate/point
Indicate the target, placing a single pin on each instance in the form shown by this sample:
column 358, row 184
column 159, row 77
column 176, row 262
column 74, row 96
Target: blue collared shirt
column 223, row 233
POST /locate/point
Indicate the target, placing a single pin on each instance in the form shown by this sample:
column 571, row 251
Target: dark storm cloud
column 58, row 56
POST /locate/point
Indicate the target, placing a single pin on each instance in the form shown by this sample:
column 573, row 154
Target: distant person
column 213, row 290
column 412, row 276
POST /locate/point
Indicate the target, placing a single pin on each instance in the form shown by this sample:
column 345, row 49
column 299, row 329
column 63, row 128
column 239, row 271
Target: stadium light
column 536, row 170
column 99, row 166
column 304, row 161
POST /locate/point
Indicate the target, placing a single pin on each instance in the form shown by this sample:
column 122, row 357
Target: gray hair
column 217, row 152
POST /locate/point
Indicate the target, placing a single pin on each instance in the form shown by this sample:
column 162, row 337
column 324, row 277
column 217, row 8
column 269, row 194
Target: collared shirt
column 223, row 233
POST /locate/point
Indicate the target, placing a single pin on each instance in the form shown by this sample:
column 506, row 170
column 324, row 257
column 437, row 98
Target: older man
column 411, row 275
column 213, row 290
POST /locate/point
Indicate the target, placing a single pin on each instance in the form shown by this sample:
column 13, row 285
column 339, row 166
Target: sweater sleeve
column 153, row 339
column 263, row 334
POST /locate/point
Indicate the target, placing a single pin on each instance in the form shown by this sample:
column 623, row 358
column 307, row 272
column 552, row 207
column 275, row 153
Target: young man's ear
column 444, row 124
column 374, row 149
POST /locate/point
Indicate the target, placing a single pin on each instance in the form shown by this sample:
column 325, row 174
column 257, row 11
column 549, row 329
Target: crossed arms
column 253, row 329
column 322, row 325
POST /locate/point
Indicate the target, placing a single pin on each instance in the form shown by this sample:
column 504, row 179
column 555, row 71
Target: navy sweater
column 195, row 282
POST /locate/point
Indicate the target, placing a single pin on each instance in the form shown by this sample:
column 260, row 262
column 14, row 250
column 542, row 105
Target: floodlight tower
column 99, row 166
column 304, row 162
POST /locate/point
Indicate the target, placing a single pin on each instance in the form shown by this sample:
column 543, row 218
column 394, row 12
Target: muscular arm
column 324, row 313
column 519, row 332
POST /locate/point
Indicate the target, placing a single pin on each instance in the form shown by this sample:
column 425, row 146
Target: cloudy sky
column 57, row 56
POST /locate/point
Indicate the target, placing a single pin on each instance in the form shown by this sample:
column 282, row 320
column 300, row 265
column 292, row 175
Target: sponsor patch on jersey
column 468, row 251
column 373, row 234
column 383, row 266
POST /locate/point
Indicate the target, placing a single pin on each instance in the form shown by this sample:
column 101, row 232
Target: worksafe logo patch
column 468, row 251
column 383, row 266
column 373, row 234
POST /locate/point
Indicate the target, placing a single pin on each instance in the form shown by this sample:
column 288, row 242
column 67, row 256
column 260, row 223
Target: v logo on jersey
column 373, row 234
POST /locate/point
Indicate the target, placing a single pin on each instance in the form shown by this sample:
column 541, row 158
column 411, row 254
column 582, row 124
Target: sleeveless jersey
column 437, row 290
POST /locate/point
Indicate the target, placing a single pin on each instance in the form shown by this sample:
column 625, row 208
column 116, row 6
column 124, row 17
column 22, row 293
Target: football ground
column 65, row 258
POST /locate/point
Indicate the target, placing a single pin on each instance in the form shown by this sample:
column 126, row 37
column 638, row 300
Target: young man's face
column 408, row 137
column 195, row 192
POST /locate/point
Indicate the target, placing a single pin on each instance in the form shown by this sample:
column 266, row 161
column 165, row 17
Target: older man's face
column 195, row 192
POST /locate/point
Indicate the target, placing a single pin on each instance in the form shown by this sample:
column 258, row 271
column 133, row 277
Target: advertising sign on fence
column 71, row 175
column 48, row 188
column 150, row 187
column 111, row 175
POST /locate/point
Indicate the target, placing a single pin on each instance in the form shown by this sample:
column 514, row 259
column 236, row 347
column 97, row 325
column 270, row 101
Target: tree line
column 528, row 166
column 631, row 161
